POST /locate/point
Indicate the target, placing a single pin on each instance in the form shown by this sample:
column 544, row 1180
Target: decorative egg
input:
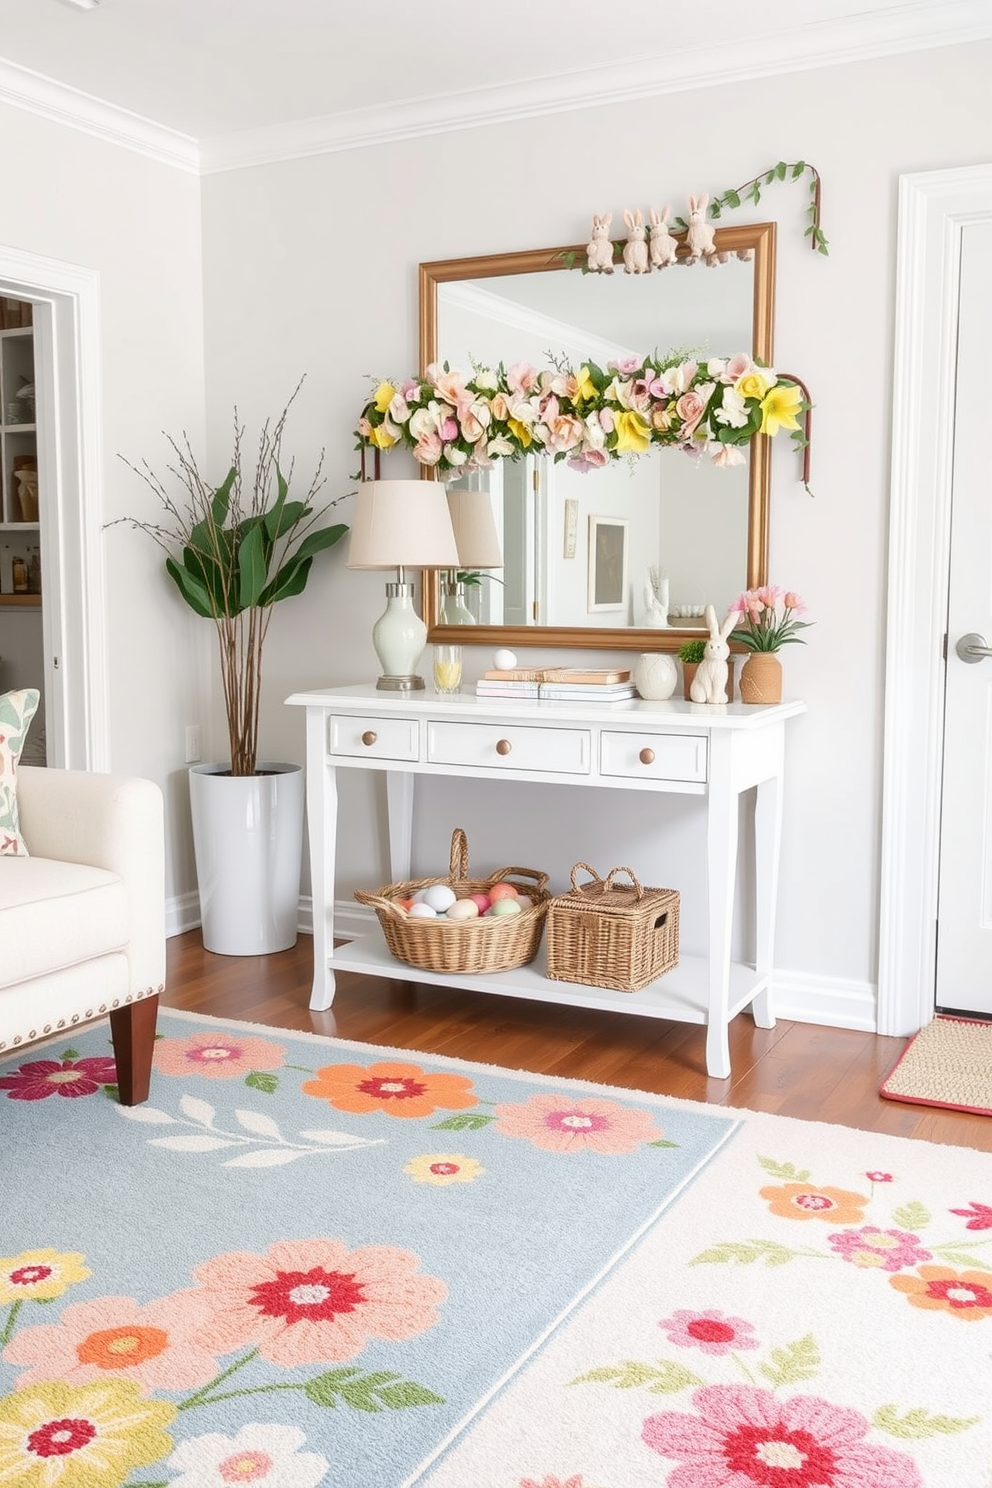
column 403, row 903
column 481, row 901
column 422, row 911
column 462, row 909
column 419, row 896
column 439, row 897
column 505, row 660
column 525, row 901
column 502, row 891
column 502, row 907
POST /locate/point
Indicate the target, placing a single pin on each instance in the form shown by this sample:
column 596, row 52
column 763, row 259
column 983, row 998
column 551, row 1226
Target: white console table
column 714, row 753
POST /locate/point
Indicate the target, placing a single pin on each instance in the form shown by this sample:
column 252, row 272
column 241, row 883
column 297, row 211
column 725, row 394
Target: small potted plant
column 690, row 655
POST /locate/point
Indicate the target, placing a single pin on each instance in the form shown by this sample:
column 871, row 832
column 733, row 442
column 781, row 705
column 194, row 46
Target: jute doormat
column 948, row 1063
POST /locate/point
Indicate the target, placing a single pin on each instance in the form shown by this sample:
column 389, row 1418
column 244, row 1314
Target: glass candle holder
column 447, row 669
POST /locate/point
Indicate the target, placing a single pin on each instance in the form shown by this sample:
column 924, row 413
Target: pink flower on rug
column 879, row 1177
column 311, row 1301
column 577, row 1123
column 743, row 1437
column 804, row 1201
column 888, row 1250
column 217, row 1056
column 44, row 1077
column 152, row 1343
column 979, row 1216
column 711, row 1331
column 266, row 1455
column 552, row 1482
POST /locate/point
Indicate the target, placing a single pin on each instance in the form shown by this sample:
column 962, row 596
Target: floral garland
column 456, row 422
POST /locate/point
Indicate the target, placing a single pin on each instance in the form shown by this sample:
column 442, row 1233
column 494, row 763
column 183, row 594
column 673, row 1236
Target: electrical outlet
column 193, row 754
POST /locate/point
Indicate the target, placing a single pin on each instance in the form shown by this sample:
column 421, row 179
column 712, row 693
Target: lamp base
column 400, row 684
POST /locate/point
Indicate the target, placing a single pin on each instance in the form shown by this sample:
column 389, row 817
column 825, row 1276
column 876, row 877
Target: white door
column 964, row 912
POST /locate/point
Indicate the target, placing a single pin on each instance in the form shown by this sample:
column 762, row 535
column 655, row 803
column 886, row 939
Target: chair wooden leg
column 133, row 1031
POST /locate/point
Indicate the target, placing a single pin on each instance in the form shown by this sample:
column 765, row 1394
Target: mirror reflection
column 682, row 532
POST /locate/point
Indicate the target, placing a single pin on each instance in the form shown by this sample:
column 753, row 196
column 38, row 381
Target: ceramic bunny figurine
column 700, row 234
column 709, row 685
column 599, row 249
column 662, row 244
column 635, row 253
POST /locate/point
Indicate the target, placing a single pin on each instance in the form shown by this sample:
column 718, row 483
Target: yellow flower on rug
column 63, row 1436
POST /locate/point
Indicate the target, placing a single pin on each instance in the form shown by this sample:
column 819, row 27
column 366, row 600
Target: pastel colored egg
column 418, row 897
column 505, row 660
column 439, row 897
column 481, row 901
column 422, row 911
column 403, row 903
column 504, row 907
column 462, row 909
column 525, row 901
column 502, row 891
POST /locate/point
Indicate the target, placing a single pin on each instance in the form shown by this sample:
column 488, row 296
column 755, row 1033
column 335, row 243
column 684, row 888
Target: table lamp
column 478, row 547
column 401, row 524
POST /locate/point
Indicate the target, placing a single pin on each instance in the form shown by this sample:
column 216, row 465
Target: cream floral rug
column 311, row 1262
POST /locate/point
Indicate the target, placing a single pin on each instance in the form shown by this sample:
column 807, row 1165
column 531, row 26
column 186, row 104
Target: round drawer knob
column 503, row 746
column 646, row 756
column 369, row 738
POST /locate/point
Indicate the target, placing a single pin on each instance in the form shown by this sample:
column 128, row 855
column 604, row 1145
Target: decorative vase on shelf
column 655, row 675
column 761, row 678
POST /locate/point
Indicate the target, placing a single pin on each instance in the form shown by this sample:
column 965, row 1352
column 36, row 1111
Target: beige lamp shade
column 402, row 524
column 475, row 530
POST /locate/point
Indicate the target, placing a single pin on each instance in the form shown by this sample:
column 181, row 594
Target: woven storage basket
column 605, row 934
column 496, row 943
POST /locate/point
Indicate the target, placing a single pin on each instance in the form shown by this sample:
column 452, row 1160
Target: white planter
column 656, row 675
column 248, row 844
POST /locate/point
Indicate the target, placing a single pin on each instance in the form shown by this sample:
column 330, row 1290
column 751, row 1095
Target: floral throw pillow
column 16, row 712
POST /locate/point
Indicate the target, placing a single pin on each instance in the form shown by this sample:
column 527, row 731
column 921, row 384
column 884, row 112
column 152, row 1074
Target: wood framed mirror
column 705, row 529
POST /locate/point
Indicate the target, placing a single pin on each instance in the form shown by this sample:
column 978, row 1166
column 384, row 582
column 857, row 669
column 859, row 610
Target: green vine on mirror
column 751, row 192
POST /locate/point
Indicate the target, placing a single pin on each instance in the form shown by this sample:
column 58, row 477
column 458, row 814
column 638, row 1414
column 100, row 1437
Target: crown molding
column 918, row 25
column 24, row 89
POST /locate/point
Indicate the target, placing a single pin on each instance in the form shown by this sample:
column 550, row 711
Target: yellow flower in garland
column 633, row 432
column 381, row 437
column 520, row 431
column 384, row 395
column 779, row 408
column 585, row 389
column 55, row 1435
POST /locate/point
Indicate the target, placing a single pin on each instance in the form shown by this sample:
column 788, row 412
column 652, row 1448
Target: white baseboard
column 797, row 996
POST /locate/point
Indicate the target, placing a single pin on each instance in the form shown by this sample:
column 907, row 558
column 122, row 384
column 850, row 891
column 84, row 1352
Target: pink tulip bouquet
column 768, row 619
column 456, row 422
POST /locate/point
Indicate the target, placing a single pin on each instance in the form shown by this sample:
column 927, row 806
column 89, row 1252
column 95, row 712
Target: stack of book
column 559, row 684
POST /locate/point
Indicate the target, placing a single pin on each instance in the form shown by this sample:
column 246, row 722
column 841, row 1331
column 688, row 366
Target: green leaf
column 961, row 1257
column 755, row 192
column 283, row 518
column 913, row 1216
column 407, row 1393
column 262, row 1080
column 665, row 1379
column 796, row 1361
column 780, row 171
column 917, row 1423
column 746, row 1253
column 798, row 169
column 316, row 542
column 220, row 505
column 252, row 566
column 463, row 1123
column 784, row 1170
column 664, row 1142
column 112, row 1093
column 732, row 199
column 380, row 1390
column 288, row 582
column 69, row 1053
column 193, row 590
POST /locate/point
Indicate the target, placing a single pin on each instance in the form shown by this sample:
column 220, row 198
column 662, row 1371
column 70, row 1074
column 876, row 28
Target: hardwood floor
column 794, row 1069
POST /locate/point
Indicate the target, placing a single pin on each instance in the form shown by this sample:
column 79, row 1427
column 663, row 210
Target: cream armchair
column 82, row 920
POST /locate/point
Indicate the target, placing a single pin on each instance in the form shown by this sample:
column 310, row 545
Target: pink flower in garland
column 577, row 1123
column 744, row 1437
column 217, row 1056
column 710, row 1330
column 44, row 1077
column 886, row 1250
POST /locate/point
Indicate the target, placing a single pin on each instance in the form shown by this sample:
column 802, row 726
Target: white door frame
column 934, row 208
column 67, row 359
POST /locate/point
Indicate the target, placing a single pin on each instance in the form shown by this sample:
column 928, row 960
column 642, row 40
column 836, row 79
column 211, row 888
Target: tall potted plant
column 234, row 551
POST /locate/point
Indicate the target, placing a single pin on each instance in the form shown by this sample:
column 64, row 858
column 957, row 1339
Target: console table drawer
column 654, row 756
column 493, row 746
column 374, row 738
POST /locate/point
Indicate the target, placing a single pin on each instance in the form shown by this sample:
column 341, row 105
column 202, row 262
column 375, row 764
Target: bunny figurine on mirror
column 700, row 235
column 635, row 253
column 709, row 685
column 599, row 249
column 662, row 246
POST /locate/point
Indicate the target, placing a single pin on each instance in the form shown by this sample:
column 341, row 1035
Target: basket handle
column 602, row 885
column 458, row 862
column 540, row 879
column 378, row 901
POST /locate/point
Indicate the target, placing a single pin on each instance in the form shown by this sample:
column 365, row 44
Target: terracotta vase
column 761, row 678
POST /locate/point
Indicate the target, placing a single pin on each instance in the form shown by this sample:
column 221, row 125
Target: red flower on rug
column 310, row 1301
column 217, row 1056
column 710, row 1330
column 964, row 1294
column 801, row 1201
column 577, row 1123
column 44, row 1077
column 745, row 1436
column 391, row 1086
column 152, row 1343
column 979, row 1216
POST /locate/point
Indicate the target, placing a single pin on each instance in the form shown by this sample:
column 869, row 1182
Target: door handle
column 972, row 647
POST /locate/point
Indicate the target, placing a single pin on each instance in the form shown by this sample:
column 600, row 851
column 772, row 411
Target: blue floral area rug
column 312, row 1262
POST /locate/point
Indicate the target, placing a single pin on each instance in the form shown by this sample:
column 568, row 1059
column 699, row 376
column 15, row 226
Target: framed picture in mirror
column 607, row 576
